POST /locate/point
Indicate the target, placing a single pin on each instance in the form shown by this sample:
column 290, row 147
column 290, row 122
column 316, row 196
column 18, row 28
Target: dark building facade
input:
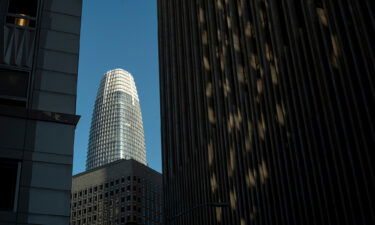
column 117, row 193
column 266, row 105
column 39, row 48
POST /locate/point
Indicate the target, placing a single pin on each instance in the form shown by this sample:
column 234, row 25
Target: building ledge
column 32, row 114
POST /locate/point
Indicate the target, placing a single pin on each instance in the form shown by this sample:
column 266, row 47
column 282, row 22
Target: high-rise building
column 38, row 74
column 116, row 127
column 117, row 186
column 117, row 193
column 266, row 105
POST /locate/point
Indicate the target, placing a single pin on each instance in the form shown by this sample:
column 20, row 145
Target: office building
column 116, row 193
column 267, row 105
column 38, row 74
column 116, row 127
column 117, row 186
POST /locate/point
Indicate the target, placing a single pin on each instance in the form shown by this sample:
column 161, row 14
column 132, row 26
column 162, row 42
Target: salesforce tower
column 116, row 128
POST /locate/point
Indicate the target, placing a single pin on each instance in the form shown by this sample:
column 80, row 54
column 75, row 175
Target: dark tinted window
column 27, row 7
column 13, row 87
column 22, row 12
column 8, row 174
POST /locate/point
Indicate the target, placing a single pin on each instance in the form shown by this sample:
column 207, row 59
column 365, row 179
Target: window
column 22, row 12
column 9, row 173
column 13, row 87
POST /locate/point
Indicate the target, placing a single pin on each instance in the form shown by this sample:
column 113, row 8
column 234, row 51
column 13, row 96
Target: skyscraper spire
column 116, row 128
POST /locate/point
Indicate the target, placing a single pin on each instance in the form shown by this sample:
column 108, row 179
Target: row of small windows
column 116, row 144
column 110, row 119
column 116, row 154
column 104, row 118
column 120, row 127
column 94, row 219
column 117, row 150
column 156, row 208
column 145, row 212
column 113, row 184
column 117, row 147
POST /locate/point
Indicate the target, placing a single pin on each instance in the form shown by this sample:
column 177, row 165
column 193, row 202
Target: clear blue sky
column 119, row 34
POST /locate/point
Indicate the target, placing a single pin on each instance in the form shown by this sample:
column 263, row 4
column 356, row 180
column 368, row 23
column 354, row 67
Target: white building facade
column 116, row 127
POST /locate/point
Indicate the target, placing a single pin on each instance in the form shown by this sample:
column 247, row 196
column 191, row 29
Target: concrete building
column 116, row 193
column 38, row 74
column 266, row 105
column 117, row 127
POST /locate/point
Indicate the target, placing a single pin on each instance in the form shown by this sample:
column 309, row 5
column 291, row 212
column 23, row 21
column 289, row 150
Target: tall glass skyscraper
column 116, row 126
